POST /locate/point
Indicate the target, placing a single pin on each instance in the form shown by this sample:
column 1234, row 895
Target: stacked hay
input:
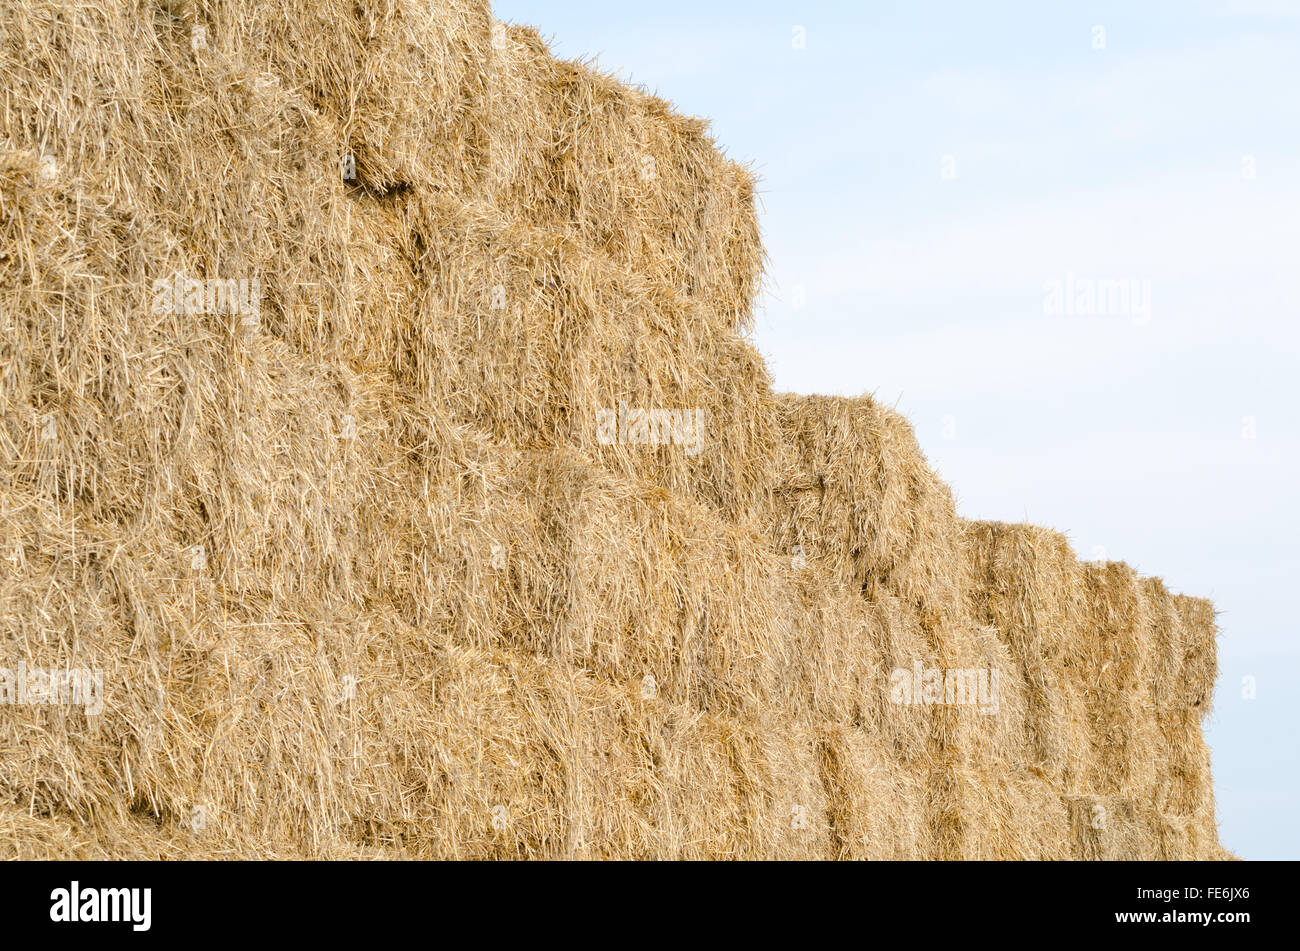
column 858, row 496
column 380, row 554
column 1112, row 660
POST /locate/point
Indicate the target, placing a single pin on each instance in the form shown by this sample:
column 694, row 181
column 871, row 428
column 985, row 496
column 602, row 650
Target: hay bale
column 1165, row 631
column 875, row 807
column 538, row 339
column 1184, row 786
column 1028, row 585
column 1009, row 816
column 1111, row 828
column 859, row 490
column 1200, row 651
column 620, row 169
column 1117, row 828
column 1116, row 665
column 628, row 581
column 404, row 81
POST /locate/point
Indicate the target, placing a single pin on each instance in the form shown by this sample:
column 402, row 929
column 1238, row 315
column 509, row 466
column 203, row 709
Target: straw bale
column 860, row 491
column 1116, row 662
column 575, row 148
column 1112, row 828
column 1028, row 585
column 876, row 808
column 530, row 335
column 1200, row 651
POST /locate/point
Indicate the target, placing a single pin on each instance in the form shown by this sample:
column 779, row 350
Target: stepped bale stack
column 469, row 525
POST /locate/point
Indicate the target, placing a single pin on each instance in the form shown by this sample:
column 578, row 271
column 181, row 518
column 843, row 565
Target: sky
column 937, row 178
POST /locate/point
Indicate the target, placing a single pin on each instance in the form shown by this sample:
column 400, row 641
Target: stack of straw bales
column 363, row 565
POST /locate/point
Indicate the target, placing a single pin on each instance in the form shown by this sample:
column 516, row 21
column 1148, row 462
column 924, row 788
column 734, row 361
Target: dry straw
column 361, row 572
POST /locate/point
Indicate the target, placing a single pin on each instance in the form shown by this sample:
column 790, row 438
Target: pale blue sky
column 1170, row 440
